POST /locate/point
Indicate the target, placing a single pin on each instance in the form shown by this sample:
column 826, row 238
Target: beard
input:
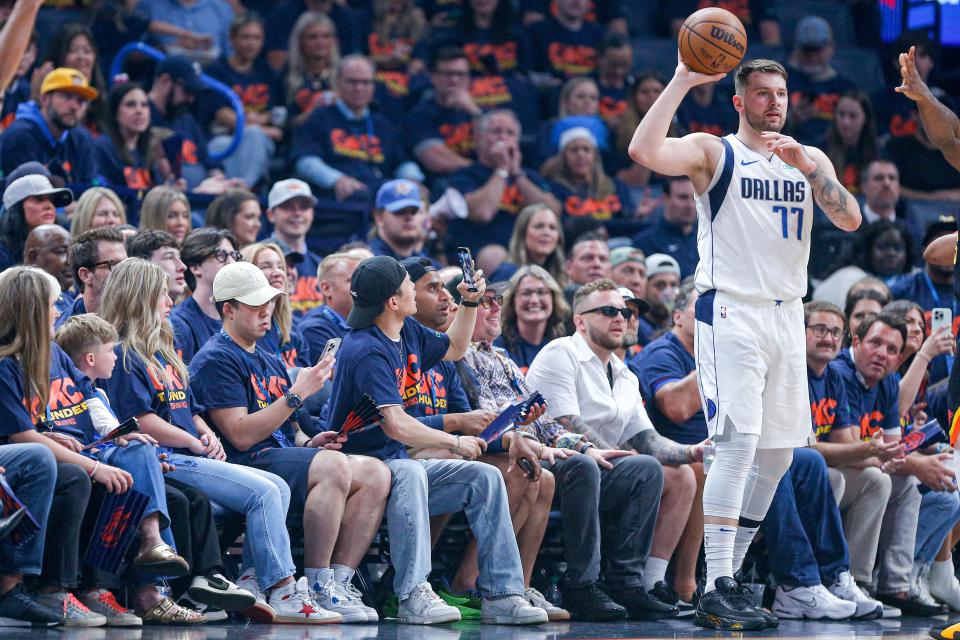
column 603, row 339
column 758, row 124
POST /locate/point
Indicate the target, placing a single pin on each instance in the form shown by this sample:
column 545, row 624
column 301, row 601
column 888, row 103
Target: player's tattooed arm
column 663, row 449
column 834, row 199
column 575, row 424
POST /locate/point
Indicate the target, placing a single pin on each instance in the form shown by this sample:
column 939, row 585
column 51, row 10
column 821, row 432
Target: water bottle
column 709, row 453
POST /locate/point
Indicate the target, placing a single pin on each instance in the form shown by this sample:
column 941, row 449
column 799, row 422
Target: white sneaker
column 537, row 599
column 423, row 606
column 331, row 596
column 920, row 591
column 511, row 610
column 811, row 603
column 891, row 612
column 259, row 611
column 216, row 591
column 293, row 604
column 944, row 585
column 356, row 599
column 846, row 588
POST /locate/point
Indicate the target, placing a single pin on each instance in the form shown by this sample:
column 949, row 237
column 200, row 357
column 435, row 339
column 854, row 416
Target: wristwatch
column 293, row 400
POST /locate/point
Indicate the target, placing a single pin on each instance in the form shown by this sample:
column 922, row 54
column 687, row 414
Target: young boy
column 89, row 340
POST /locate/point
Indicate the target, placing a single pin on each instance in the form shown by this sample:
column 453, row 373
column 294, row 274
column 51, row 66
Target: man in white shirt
column 590, row 391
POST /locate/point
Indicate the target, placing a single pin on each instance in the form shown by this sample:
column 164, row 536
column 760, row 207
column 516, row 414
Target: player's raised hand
column 789, row 150
column 910, row 83
column 692, row 78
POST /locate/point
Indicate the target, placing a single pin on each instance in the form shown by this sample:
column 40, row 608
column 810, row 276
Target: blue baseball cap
column 398, row 194
column 183, row 70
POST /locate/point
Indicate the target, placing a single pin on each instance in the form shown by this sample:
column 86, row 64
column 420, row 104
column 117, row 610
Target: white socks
column 655, row 571
column 719, row 540
column 742, row 542
column 318, row 576
column 342, row 573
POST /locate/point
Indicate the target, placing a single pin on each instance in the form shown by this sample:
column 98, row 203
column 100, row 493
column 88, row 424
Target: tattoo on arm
column 832, row 197
column 665, row 450
column 575, row 424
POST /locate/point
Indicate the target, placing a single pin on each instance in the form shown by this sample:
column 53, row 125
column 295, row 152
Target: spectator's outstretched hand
column 910, row 83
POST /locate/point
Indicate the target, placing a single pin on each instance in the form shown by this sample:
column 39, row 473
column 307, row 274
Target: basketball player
column 756, row 191
column 943, row 129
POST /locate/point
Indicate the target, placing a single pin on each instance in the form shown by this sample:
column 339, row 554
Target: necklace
column 401, row 368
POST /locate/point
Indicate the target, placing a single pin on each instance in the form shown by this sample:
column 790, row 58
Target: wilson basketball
column 712, row 40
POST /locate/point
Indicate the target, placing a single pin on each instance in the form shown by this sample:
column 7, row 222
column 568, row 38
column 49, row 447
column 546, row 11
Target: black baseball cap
column 417, row 266
column 291, row 256
column 183, row 70
column 940, row 227
column 373, row 282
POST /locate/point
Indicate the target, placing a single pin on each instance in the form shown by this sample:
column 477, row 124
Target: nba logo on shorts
column 723, row 312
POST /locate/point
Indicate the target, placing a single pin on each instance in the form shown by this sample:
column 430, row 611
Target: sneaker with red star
column 294, row 605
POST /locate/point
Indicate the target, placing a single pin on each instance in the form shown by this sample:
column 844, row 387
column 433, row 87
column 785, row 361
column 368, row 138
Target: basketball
column 712, row 40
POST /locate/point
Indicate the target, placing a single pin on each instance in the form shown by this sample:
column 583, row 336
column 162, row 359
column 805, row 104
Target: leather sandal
column 162, row 560
column 169, row 612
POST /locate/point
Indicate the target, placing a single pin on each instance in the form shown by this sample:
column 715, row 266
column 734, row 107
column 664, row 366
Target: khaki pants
column 879, row 514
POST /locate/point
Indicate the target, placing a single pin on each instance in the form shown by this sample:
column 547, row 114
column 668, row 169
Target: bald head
column 47, row 247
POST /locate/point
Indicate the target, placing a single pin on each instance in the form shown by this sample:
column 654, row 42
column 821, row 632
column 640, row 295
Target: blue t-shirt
column 224, row 376
column 117, row 172
column 613, row 100
column 66, row 409
column 497, row 231
column 430, row 121
column 258, row 89
column 319, row 325
column 305, row 295
column 556, row 50
column 873, row 409
column 368, row 148
column 521, row 351
column 76, row 308
column 581, row 203
column 919, row 288
column 440, row 392
column 133, row 391
column 193, row 143
column 192, row 328
column 666, row 237
column 716, row 118
column 293, row 353
column 661, row 362
column 829, row 406
column 370, row 362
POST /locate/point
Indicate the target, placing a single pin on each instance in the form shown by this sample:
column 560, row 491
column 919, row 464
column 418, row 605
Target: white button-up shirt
column 573, row 381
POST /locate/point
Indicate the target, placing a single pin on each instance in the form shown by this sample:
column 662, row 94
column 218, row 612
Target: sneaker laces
column 351, row 591
column 536, row 598
column 106, row 598
column 742, row 597
column 71, row 600
column 425, row 592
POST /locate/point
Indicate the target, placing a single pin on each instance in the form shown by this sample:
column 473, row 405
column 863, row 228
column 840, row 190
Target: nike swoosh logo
column 812, row 602
column 744, row 163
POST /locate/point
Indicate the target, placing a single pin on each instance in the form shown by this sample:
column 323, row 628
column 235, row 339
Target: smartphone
column 331, row 348
column 941, row 317
column 466, row 265
column 526, row 466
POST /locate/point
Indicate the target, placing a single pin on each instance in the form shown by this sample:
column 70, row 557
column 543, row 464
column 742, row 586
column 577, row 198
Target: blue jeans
column 424, row 488
column 140, row 461
column 260, row 496
column 939, row 512
column 32, row 474
column 803, row 528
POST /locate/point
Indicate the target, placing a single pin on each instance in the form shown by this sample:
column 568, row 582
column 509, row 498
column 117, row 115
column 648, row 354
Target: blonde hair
column 82, row 333
column 131, row 303
column 282, row 315
column 518, row 242
column 295, row 72
column 569, row 87
column 333, row 261
column 556, row 323
column 25, row 294
column 88, row 203
column 156, row 204
column 408, row 24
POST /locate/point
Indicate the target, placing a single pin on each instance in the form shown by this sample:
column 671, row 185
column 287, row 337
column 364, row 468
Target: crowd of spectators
column 147, row 273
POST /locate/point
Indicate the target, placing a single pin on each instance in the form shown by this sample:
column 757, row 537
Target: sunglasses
column 609, row 311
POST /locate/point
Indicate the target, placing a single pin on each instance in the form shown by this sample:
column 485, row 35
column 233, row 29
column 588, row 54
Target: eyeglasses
column 529, row 293
column 609, row 311
column 487, row 301
column 453, row 74
column 223, row 254
column 109, row 264
column 821, row 330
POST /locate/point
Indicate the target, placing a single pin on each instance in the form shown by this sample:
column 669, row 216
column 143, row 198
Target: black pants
column 194, row 531
column 608, row 517
column 61, row 552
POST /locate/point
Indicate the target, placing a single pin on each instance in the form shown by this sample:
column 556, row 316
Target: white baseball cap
column 245, row 283
column 35, row 184
column 288, row 190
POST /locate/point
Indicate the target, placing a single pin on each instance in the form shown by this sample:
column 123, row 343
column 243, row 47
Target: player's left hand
column 789, row 150
column 910, row 83
column 479, row 282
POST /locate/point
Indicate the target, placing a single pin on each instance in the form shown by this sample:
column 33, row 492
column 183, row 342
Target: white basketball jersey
column 754, row 226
